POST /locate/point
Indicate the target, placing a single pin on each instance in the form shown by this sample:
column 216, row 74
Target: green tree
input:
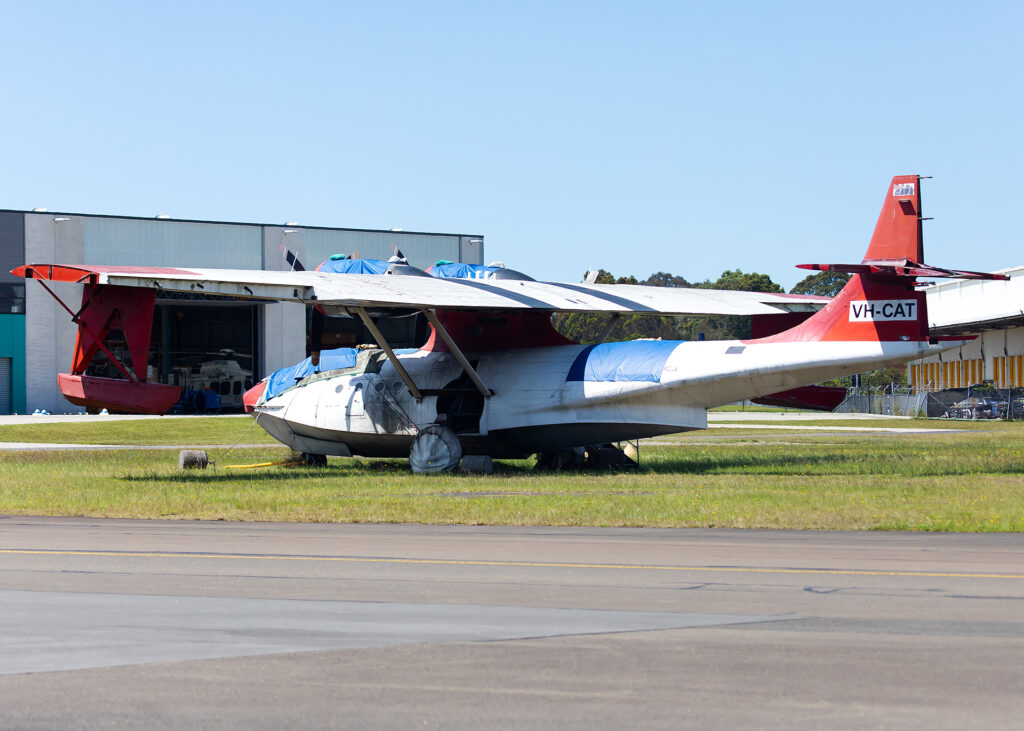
column 825, row 284
column 581, row 327
column 586, row 327
column 743, row 281
column 727, row 327
column 664, row 279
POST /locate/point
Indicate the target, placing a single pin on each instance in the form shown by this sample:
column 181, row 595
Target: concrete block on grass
column 477, row 464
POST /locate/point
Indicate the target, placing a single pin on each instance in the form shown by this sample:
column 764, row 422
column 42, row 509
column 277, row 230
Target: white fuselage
column 537, row 405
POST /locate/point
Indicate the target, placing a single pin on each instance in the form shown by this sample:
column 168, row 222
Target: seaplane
column 495, row 379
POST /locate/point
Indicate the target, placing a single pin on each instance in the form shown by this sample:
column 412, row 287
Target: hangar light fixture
column 290, row 231
column 59, row 219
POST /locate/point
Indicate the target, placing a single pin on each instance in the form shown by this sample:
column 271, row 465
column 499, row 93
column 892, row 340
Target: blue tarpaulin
column 353, row 266
column 453, row 270
column 636, row 360
column 330, row 360
column 443, row 269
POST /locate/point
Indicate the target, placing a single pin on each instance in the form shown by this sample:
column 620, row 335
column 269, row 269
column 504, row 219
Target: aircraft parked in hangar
column 495, row 378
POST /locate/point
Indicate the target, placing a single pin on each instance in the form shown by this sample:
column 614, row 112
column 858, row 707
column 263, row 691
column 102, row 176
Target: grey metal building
column 37, row 337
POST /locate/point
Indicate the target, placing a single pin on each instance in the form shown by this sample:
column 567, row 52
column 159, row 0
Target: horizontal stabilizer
column 903, row 268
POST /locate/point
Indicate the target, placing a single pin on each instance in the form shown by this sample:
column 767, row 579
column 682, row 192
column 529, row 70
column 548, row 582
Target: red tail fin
column 898, row 233
column 881, row 302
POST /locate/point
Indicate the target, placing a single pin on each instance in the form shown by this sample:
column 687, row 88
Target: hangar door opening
column 209, row 350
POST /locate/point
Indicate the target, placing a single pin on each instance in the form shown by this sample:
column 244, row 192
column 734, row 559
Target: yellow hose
column 286, row 463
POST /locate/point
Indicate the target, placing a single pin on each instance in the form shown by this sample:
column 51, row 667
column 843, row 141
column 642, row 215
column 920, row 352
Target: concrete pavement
column 189, row 624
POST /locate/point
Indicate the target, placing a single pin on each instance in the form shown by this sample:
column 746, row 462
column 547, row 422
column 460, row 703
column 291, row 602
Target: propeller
column 294, row 264
column 397, row 257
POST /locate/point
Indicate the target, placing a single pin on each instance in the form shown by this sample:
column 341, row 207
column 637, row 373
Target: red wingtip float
column 106, row 308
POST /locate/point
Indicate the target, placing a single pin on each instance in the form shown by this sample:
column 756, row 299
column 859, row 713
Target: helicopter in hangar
column 494, row 377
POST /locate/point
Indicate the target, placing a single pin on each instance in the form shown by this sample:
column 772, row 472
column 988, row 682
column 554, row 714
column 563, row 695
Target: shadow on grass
column 775, row 464
column 340, row 470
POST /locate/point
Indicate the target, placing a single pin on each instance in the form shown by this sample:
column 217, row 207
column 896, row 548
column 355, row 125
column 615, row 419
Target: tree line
column 588, row 327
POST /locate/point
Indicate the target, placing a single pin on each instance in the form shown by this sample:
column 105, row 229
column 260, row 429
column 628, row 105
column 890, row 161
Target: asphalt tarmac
column 132, row 624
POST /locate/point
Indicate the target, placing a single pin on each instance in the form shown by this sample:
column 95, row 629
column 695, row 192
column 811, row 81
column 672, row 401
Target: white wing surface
column 425, row 292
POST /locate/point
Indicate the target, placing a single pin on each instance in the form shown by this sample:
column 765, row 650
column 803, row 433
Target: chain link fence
column 975, row 402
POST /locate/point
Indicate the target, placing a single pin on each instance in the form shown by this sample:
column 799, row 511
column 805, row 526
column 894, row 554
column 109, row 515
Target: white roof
column 982, row 302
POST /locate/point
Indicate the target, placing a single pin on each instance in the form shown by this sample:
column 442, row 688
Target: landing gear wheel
column 435, row 449
column 562, row 459
column 314, row 460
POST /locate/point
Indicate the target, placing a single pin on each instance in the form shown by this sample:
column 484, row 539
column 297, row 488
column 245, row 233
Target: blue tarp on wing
column 636, row 360
column 353, row 266
column 454, row 270
column 330, row 360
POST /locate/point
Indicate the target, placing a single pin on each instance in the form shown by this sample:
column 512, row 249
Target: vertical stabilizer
column 898, row 234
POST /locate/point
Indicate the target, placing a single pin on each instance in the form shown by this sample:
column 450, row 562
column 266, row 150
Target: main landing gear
column 435, row 449
column 314, row 460
column 596, row 456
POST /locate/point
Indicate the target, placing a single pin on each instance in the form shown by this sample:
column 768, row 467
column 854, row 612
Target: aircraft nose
column 250, row 397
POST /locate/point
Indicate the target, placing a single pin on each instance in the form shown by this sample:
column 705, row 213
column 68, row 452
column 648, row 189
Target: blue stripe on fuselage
column 635, row 360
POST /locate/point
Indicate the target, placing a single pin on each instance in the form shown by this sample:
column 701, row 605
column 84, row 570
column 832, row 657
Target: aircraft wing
column 424, row 292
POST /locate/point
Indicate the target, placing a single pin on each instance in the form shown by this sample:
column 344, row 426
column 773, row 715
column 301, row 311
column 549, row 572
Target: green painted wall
column 12, row 345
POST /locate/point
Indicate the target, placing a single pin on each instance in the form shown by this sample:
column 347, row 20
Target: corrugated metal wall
column 421, row 250
column 234, row 246
column 132, row 242
column 1009, row 370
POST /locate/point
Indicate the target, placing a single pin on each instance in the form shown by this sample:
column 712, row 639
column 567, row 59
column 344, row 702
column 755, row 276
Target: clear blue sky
column 634, row 136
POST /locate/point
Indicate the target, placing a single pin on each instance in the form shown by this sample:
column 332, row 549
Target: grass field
column 964, row 481
column 165, row 430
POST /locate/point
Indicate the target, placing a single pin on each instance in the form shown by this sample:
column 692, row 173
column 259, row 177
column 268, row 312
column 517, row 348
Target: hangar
column 992, row 310
column 198, row 341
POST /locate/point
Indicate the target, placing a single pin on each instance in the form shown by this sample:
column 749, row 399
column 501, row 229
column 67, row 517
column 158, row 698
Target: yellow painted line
column 513, row 564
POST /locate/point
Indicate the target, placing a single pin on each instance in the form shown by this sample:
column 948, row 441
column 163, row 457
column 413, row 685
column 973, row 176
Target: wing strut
column 609, row 326
column 383, row 343
column 466, row 365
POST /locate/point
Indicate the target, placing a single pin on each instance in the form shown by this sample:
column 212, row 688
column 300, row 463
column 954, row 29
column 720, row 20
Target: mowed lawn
column 971, row 480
